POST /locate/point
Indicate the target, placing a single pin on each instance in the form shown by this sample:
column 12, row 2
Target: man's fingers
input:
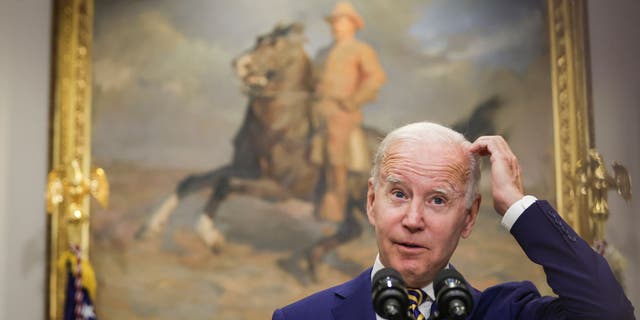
column 497, row 149
column 480, row 149
column 488, row 145
column 505, row 170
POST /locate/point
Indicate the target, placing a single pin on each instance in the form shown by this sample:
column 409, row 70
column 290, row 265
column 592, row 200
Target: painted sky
column 501, row 34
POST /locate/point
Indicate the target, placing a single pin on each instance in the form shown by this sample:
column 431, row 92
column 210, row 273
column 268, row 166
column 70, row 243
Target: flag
column 78, row 303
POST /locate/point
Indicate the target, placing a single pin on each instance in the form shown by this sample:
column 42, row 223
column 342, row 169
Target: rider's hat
column 346, row 9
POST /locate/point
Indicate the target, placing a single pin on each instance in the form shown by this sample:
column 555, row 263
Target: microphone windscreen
column 453, row 296
column 389, row 295
column 386, row 272
column 444, row 274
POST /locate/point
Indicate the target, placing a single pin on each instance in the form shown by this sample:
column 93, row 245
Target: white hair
column 429, row 131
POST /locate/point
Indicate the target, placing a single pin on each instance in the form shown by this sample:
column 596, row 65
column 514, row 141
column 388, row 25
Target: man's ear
column 371, row 197
column 471, row 217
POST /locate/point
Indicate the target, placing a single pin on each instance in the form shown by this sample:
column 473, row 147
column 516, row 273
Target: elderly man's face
column 418, row 208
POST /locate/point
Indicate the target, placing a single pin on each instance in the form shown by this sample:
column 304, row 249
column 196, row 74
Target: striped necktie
column 416, row 297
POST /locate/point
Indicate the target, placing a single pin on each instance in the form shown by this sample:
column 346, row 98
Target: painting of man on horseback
column 274, row 147
column 239, row 168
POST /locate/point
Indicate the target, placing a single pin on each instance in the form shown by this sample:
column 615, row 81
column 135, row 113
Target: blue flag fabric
column 86, row 311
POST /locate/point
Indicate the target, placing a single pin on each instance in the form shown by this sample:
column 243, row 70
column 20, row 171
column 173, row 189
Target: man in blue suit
column 423, row 197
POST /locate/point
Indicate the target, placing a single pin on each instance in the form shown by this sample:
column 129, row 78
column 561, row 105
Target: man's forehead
column 427, row 152
column 448, row 188
column 427, row 161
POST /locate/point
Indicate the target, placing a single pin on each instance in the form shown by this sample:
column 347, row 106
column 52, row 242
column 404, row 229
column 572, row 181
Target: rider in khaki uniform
column 348, row 76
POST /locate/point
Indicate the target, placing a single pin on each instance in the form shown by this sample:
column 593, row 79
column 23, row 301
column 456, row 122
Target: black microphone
column 389, row 295
column 452, row 295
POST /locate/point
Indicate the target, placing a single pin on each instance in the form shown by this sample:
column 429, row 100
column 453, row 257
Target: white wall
column 615, row 68
column 25, row 28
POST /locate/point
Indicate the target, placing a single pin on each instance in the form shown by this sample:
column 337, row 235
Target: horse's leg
column 348, row 230
column 161, row 215
column 263, row 188
column 205, row 227
column 350, row 227
column 302, row 264
column 187, row 186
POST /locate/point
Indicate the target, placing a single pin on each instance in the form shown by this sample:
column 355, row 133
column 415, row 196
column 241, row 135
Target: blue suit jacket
column 580, row 277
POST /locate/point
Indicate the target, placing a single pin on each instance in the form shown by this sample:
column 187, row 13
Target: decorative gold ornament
column 71, row 185
column 594, row 183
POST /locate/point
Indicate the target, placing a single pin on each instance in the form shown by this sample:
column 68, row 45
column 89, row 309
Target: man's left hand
column 506, row 177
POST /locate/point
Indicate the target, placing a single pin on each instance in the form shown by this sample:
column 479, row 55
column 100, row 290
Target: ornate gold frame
column 72, row 180
column 571, row 106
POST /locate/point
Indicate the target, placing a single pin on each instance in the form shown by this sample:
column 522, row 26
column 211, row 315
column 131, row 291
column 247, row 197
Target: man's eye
column 438, row 200
column 399, row 194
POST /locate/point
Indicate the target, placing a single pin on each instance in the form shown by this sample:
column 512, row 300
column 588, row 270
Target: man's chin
column 415, row 280
column 414, row 275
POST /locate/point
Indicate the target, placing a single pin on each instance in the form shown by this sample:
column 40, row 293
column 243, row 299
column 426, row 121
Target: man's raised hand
column 506, row 177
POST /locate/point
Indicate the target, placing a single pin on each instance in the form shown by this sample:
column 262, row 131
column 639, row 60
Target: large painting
column 198, row 226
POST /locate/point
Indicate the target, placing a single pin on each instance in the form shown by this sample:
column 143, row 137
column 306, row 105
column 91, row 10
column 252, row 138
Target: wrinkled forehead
column 426, row 158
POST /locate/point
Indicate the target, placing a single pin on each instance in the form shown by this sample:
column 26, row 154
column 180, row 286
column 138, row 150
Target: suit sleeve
column 581, row 278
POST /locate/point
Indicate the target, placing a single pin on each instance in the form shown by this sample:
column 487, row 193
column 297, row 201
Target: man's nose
column 413, row 218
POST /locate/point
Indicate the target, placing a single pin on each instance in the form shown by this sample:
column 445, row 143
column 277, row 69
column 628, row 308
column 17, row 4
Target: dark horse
column 272, row 148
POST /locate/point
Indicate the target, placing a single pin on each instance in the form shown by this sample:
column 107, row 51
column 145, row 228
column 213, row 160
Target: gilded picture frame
column 73, row 179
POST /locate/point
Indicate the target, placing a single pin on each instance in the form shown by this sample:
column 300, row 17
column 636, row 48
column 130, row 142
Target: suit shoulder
column 319, row 305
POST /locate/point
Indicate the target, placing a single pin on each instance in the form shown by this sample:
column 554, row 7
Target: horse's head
column 263, row 68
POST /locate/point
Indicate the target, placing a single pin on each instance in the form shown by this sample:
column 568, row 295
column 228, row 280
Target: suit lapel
column 354, row 299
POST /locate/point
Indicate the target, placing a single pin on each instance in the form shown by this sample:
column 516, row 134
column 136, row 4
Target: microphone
column 452, row 295
column 389, row 295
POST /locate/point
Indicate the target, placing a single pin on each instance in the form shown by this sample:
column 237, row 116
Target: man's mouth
column 410, row 245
